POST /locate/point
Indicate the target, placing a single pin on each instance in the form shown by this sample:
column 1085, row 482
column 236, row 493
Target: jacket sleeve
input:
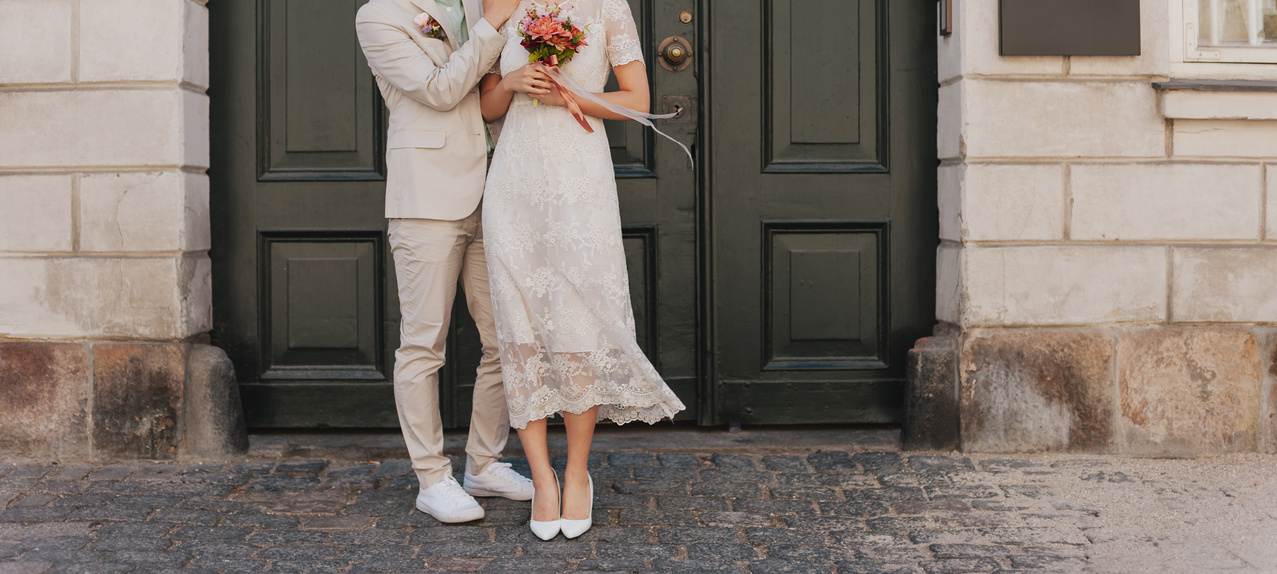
column 395, row 57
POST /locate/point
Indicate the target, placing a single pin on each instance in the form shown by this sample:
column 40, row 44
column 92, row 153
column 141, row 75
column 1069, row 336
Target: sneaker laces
column 505, row 472
column 452, row 493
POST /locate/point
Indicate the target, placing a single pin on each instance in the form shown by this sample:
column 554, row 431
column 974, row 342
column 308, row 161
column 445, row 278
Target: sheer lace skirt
column 552, row 235
column 560, row 290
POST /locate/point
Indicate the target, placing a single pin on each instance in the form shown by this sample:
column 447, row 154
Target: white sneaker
column 499, row 480
column 448, row 503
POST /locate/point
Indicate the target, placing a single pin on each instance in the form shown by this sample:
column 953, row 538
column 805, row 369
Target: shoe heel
column 574, row 528
column 545, row 529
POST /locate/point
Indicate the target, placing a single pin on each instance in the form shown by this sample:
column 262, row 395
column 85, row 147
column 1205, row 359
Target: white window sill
column 1217, row 99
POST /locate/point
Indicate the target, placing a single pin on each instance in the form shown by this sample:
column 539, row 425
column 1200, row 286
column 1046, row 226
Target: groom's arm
column 394, row 56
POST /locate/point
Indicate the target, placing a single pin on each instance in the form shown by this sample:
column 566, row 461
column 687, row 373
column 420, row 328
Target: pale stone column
column 1108, row 266
column 104, row 230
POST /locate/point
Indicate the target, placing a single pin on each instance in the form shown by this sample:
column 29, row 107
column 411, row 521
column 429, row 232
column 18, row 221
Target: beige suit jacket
column 436, row 152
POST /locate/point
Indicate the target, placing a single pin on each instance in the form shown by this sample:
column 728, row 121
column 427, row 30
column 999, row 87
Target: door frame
column 708, row 399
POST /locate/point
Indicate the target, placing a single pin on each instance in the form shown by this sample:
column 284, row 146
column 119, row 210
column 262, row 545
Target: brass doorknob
column 675, row 53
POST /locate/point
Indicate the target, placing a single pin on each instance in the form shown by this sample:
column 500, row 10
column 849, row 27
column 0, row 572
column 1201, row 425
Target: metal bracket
column 946, row 17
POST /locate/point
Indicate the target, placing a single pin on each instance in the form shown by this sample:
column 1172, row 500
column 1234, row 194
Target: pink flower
column 429, row 26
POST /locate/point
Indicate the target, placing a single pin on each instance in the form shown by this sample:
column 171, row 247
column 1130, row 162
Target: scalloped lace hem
column 609, row 409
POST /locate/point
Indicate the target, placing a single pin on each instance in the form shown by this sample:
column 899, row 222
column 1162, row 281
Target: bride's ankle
column 576, row 476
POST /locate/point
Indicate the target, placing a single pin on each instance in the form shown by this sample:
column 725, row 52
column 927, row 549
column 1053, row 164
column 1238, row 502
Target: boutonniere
column 429, row 26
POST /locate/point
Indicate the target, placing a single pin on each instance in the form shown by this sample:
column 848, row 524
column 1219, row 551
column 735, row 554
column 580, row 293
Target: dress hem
column 666, row 410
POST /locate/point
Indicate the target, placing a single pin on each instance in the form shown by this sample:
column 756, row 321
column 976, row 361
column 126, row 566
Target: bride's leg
column 532, row 437
column 576, row 481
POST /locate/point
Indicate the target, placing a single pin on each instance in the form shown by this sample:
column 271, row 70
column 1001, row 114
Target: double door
column 763, row 286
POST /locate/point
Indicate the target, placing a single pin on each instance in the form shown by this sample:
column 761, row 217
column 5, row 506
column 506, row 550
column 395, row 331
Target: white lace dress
column 552, row 234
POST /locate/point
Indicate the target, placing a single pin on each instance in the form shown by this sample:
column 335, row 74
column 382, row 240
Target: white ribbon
column 646, row 119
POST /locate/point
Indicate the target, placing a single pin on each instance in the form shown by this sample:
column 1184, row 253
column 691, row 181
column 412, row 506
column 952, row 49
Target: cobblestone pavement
column 826, row 511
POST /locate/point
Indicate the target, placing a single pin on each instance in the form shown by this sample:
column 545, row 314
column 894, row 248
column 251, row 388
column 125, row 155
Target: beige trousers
column 430, row 255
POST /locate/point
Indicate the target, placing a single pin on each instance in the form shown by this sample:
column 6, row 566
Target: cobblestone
column 827, row 511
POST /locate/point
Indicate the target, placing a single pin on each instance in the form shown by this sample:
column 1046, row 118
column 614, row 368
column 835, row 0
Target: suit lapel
column 474, row 11
column 433, row 9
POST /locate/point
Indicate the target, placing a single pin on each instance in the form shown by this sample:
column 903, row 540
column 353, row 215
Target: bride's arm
column 632, row 92
column 495, row 92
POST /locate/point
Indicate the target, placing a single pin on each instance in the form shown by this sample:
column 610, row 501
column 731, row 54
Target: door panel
column 824, row 82
column 322, row 116
column 305, row 297
column 823, row 219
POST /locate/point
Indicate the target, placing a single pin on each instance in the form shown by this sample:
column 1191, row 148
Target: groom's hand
column 496, row 12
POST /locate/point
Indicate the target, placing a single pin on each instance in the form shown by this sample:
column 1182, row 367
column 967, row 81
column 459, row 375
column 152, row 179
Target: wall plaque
column 1070, row 27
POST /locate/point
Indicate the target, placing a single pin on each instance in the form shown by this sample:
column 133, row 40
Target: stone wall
column 104, row 229
column 1108, row 266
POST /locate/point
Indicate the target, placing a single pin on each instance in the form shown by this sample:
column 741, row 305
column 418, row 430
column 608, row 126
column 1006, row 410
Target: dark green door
column 821, row 123
column 304, row 287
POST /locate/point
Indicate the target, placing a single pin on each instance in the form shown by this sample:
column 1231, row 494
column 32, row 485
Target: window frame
column 1194, row 53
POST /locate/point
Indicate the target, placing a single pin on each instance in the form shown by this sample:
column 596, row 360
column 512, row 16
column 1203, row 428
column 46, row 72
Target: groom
column 428, row 57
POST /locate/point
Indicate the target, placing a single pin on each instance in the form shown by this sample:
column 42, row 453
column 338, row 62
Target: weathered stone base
column 214, row 415
column 1157, row 390
column 931, row 397
column 113, row 401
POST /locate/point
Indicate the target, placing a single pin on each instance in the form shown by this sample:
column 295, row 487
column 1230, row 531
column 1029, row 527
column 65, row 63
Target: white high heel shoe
column 546, row 529
column 574, row 528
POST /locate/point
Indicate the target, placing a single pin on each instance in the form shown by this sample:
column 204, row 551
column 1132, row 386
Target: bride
column 552, row 233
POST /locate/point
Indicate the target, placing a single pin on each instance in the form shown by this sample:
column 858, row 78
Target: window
column 1242, row 31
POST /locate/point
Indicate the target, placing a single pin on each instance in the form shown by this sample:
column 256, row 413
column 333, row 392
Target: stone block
column 137, row 399
column 1154, row 58
column 1013, row 202
column 951, row 122
column 1217, row 105
column 195, row 130
column 195, row 44
column 197, row 294
column 1267, row 339
column 1225, row 138
column 1061, row 285
column 1034, row 390
column 123, row 40
column 1188, row 390
column 949, row 288
column 948, row 57
column 134, row 298
column 949, row 180
column 44, row 388
column 1270, row 232
column 92, row 128
column 196, row 234
column 24, row 61
column 1061, row 119
column 931, row 395
column 1221, row 284
column 214, row 414
column 136, row 211
column 144, row 211
column 37, row 213
column 1165, row 201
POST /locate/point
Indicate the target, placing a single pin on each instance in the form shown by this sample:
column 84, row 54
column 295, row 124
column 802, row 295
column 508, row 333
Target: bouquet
column 551, row 39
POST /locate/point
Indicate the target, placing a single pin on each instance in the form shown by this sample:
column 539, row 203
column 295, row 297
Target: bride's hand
column 530, row 80
column 552, row 98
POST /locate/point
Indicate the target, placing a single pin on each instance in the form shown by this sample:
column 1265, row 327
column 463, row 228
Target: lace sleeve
column 622, row 35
